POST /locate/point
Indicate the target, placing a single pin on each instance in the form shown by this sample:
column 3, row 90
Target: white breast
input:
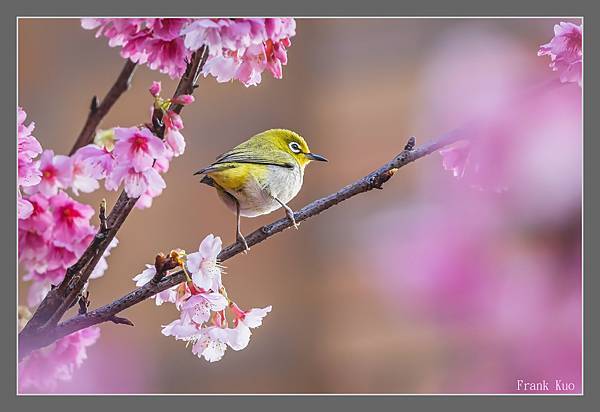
column 287, row 182
column 284, row 184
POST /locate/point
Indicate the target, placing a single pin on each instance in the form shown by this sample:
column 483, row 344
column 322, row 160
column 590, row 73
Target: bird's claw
column 293, row 219
column 242, row 240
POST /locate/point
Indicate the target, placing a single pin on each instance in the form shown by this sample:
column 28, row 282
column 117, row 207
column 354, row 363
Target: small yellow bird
column 261, row 174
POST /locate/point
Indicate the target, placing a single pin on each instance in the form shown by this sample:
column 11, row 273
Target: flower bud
column 155, row 89
column 183, row 99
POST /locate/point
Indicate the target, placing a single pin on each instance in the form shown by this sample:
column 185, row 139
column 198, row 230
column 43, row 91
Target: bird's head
column 294, row 144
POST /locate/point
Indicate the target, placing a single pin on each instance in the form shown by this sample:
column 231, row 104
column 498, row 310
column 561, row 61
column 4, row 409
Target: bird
column 260, row 175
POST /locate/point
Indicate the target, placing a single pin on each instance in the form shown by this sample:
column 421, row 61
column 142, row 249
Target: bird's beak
column 313, row 156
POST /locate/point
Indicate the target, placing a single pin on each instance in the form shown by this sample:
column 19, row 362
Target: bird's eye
column 294, row 147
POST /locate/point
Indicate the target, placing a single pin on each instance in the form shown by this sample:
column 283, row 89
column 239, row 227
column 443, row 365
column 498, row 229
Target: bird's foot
column 240, row 238
column 290, row 215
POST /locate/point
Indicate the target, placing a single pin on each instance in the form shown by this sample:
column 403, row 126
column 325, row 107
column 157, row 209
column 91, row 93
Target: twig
column 84, row 303
column 371, row 181
column 99, row 110
column 120, row 321
column 61, row 298
column 102, row 216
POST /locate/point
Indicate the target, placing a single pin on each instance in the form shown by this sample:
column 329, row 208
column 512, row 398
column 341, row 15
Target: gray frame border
column 272, row 8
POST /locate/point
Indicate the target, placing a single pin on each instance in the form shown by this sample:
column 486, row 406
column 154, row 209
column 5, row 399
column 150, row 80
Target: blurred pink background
column 433, row 285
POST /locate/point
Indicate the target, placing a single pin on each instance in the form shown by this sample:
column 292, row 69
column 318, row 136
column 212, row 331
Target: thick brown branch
column 371, row 181
column 99, row 110
column 61, row 298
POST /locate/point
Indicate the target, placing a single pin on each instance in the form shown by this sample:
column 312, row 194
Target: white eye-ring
column 294, row 147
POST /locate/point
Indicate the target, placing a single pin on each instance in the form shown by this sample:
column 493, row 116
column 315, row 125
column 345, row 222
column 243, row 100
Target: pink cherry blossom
column 58, row 256
column 182, row 330
column 145, row 276
column 41, row 218
column 99, row 162
column 28, row 173
column 173, row 120
column 118, row 31
column 24, row 207
column 155, row 88
column 33, row 248
column 71, row 219
column 211, row 344
column 43, row 369
column 28, row 145
column 156, row 42
column 198, row 307
column 565, row 51
column 240, row 48
column 455, row 158
column 168, row 295
column 136, row 183
column 168, row 29
column 222, row 68
column 175, row 140
column 168, row 57
column 83, row 175
column 238, row 337
column 162, row 163
column 184, row 99
column 57, row 173
column 213, row 341
column 52, row 238
column 137, row 147
column 251, row 318
column 203, row 266
column 205, row 32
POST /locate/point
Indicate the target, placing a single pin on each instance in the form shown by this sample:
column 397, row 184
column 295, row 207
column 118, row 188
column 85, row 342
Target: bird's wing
column 257, row 151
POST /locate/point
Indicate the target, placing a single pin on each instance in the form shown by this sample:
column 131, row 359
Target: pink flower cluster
column 238, row 48
column 52, row 238
column 566, row 52
column 202, row 302
column 134, row 156
column 491, row 275
column 28, row 173
column 242, row 48
column 56, row 230
column 489, row 143
column 43, row 369
column 155, row 42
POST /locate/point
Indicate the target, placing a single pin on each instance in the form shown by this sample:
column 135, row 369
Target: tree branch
column 374, row 180
column 61, row 298
column 99, row 110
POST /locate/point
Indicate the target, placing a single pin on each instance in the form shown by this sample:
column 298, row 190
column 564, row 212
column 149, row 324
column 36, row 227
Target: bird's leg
column 289, row 212
column 238, row 235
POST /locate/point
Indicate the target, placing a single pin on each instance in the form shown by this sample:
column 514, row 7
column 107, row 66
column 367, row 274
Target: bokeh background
column 433, row 285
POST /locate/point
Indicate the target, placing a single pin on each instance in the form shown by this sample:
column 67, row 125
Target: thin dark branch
column 99, row 110
column 61, row 298
column 371, row 181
